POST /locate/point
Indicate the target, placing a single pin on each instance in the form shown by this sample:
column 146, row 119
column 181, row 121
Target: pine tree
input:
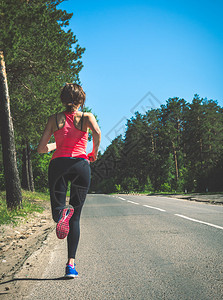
column 172, row 129
column 12, row 182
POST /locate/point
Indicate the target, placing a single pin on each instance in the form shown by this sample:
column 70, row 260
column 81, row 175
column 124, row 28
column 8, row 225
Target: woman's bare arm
column 96, row 134
column 43, row 146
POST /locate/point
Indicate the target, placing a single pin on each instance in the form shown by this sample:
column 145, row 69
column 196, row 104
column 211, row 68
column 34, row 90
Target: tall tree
column 203, row 139
column 153, row 156
column 12, row 182
column 136, row 144
column 172, row 129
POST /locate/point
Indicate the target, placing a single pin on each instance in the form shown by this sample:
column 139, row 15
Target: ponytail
column 72, row 95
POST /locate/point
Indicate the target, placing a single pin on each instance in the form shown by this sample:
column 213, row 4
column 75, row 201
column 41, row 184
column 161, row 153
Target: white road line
column 198, row 221
column 132, row 202
column 160, row 209
column 121, row 198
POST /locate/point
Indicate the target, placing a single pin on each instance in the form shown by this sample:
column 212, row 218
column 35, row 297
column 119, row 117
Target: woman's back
column 73, row 97
column 71, row 139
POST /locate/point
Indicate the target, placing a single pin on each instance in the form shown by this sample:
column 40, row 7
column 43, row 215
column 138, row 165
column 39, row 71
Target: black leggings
column 78, row 172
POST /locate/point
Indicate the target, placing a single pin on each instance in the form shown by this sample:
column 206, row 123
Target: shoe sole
column 70, row 276
column 62, row 228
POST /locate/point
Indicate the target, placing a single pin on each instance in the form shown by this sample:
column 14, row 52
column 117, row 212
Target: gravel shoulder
column 206, row 198
column 211, row 199
column 18, row 243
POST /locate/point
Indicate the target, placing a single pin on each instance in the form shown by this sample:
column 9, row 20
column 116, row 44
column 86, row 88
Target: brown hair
column 72, row 95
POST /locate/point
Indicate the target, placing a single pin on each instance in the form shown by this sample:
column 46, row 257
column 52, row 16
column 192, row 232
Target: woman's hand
column 92, row 157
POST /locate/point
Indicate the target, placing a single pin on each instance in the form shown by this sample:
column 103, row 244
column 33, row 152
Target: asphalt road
column 139, row 247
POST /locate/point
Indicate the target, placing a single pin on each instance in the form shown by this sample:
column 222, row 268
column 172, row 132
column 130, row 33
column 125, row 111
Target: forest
column 177, row 147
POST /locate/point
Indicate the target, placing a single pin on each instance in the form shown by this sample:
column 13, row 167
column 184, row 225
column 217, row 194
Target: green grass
column 35, row 195
column 29, row 206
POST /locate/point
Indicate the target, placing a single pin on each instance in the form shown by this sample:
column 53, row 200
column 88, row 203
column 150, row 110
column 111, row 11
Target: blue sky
column 140, row 53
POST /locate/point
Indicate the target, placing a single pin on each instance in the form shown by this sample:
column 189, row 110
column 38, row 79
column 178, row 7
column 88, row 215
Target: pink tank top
column 70, row 141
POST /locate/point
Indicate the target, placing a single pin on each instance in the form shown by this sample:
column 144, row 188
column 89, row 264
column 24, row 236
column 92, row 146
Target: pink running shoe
column 62, row 228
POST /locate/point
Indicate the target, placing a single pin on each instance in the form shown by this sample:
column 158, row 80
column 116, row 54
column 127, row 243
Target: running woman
column 70, row 163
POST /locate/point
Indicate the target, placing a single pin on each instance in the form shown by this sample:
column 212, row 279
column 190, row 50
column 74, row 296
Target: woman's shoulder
column 56, row 118
column 88, row 115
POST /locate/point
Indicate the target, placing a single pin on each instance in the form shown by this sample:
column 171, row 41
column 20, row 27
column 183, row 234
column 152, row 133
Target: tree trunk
column 30, row 169
column 176, row 163
column 25, row 168
column 27, row 173
column 152, row 140
column 201, row 152
column 11, row 174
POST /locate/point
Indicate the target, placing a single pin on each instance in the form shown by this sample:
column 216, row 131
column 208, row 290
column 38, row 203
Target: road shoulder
column 17, row 245
column 209, row 199
column 205, row 198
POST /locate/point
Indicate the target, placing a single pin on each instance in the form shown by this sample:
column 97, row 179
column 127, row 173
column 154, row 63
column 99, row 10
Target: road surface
column 138, row 247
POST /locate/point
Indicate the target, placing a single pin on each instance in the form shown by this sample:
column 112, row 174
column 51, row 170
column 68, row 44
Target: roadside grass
column 31, row 203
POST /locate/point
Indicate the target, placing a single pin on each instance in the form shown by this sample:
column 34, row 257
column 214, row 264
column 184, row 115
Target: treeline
column 40, row 56
column 177, row 147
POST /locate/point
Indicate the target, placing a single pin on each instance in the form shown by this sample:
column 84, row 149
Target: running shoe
column 62, row 228
column 70, row 271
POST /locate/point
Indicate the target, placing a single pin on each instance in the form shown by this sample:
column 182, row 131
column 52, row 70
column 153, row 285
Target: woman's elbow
column 97, row 135
column 40, row 150
column 99, row 132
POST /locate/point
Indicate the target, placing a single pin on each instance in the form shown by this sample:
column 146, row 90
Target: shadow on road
column 36, row 279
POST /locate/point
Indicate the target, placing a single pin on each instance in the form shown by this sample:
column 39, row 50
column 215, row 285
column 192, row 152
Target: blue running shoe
column 70, row 271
